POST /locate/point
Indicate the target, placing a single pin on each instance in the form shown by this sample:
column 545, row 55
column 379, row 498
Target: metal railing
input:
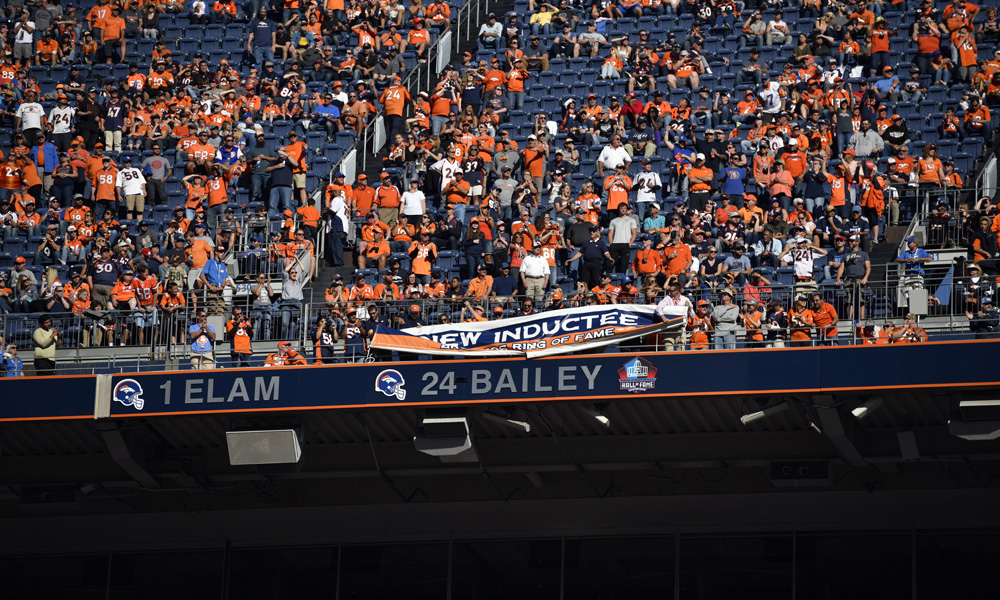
column 471, row 28
column 986, row 182
column 167, row 344
column 371, row 139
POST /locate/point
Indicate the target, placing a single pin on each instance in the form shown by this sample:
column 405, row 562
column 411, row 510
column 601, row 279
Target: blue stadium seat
column 448, row 261
column 371, row 276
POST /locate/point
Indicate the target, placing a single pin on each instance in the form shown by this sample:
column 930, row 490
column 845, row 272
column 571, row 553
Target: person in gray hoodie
column 727, row 317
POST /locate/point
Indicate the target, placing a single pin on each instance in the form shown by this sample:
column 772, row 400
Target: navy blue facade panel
column 435, row 382
column 27, row 398
column 603, row 376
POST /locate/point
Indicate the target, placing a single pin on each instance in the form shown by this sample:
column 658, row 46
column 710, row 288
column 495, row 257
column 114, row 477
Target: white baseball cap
column 699, row 156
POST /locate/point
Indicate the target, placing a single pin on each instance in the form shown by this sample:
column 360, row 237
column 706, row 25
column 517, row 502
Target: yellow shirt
column 45, row 343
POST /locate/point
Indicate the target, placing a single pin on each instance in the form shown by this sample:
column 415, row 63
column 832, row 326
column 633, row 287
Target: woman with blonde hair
column 612, row 66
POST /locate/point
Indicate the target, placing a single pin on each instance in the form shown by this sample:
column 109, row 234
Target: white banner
column 379, row 134
column 443, row 52
column 349, row 165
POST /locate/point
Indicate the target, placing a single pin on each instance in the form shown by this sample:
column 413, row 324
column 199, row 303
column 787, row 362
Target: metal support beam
column 832, row 426
column 121, row 454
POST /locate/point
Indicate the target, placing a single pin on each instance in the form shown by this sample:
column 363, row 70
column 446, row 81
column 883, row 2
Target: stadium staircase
column 373, row 169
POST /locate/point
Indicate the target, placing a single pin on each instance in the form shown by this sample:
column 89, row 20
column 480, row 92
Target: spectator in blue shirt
column 202, row 337
column 913, row 258
column 732, row 179
column 113, row 122
column 504, row 285
column 214, row 278
column 12, row 363
column 655, row 221
column 50, row 157
column 263, row 38
column 888, row 86
column 327, row 118
column 281, row 184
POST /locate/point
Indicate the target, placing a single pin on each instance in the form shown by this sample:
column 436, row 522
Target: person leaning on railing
column 909, row 332
column 286, row 356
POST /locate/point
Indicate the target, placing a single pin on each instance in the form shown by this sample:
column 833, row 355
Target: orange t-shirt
column 838, row 190
column 217, row 191
column 801, row 332
column 122, row 292
column 516, row 79
column 617, row 191
column 199, row 252
column 458, row 192
column 195, row 197
column 104, row 184
column 825, row 317
column 700, row 172
column 145, row 289
column 534, row 161
column 677, row 258
column 112, row 28
column 363, row 198
column 928, row 170
column 395, row 98
column 240, row 339
column 880, row 40
column 426, row 254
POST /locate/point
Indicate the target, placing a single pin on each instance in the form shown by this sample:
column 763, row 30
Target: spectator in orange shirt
column 362, row 196
column 47, row 51
column 123, row 298
column 103, row 186
column 515, row 85
column 825, row 319
column 533, row 160
column 297, row 151
column 239, row 330
column 375, row 253
column 113, row 37
column 419, row 38
column 481, row 285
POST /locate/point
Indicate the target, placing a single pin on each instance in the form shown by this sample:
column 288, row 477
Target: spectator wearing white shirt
column 413, row 203
column 339, row 224
column 447, row 167
column 131, row 187
column 831, row 74
column 535, row 273
column 24, row 39
column 490, row 34
column 61, row 121
column 674, row 340
column 646, row 184
column 778, row 32
column 31, row 119
column 612, row 156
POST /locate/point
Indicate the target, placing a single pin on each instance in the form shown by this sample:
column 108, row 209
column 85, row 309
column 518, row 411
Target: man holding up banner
column 535, row 273
column 533, row 334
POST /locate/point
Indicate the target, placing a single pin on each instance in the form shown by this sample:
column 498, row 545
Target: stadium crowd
column 734, row 181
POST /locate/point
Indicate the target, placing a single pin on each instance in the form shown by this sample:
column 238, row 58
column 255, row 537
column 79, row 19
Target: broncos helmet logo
column 390, row 382
column 129, row 393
